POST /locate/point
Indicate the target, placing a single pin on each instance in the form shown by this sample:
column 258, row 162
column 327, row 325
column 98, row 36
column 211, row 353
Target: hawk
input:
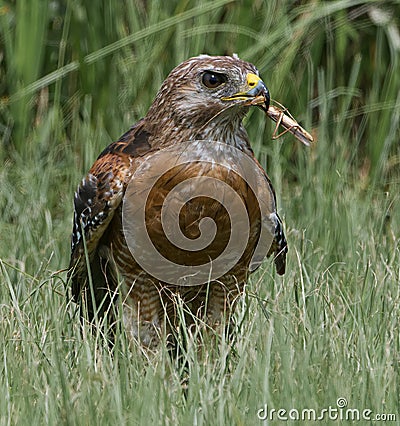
column 196, row 114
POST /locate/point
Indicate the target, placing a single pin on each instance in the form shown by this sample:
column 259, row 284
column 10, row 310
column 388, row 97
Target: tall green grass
column 73, row 77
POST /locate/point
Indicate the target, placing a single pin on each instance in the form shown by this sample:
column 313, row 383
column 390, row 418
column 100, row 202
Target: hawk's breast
column 195, row 214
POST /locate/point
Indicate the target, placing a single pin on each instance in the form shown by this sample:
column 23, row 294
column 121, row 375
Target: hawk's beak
column 257, row 93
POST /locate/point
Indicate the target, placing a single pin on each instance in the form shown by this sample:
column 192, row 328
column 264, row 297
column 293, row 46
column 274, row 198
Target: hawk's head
column 206, row 93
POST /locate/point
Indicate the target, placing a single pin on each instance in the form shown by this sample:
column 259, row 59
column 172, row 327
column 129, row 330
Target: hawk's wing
column 279, row 245
column 97, row 198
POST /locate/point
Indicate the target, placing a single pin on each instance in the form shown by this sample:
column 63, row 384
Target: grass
column 328, row 329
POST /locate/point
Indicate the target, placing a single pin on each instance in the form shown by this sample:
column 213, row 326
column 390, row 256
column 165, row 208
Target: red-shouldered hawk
column 193, row 132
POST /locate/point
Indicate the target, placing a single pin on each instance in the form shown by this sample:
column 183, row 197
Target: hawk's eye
column 213, row 79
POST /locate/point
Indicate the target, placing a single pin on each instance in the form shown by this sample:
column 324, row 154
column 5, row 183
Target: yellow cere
column 252, row 79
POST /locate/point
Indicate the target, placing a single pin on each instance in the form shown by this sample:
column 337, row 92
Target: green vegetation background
column 74, row 75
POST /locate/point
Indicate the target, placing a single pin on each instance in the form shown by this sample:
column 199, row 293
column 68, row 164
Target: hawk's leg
column 220, row 304
column 141, row 308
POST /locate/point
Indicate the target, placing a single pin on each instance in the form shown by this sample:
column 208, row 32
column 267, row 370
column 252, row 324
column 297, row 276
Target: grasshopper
column 282, row 117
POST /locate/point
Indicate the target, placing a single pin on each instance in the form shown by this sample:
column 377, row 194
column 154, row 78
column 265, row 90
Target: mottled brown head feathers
column 185, row 105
